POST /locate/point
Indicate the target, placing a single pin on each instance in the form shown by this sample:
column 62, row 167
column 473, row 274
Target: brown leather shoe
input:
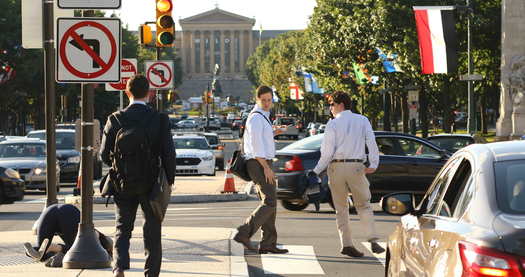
column 118, row 273
column 244, row 241
column 273, row 250
column 352, row 252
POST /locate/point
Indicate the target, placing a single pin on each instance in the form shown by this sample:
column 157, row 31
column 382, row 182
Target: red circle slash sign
column 164, row 81
column 72, row 32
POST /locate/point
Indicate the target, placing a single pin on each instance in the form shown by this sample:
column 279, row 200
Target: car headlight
column 11, row 173
column 207, row 158
column 74, row 159
column 39, row 171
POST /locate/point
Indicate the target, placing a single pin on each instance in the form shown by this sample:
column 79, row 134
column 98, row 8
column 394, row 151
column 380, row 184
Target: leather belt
column 347, row 161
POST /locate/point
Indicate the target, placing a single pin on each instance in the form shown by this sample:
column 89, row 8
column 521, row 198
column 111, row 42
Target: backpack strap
column 267, row 120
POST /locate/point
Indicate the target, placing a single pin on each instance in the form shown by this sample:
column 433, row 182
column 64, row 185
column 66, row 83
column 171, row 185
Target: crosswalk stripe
column 380, row 257
column 300, row 260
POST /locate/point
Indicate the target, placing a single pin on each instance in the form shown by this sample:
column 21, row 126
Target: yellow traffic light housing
column 146, row 36
column 165, row 23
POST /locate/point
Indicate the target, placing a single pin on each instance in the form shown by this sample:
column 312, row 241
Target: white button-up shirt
column 258, row 136
column 137, row 102
column 345, row 137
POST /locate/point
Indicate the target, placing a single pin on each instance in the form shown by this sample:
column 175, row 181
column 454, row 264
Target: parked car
column 406, row 163
column 67, row 156
column 187, row 124
column 173, row 122
column 215, row 144
column 215, row 124
column 312, row 129
column 28, row 157
column 453, row 142
column 11, row 186
column 194, row 156
column 292, row 131
column 470, row 221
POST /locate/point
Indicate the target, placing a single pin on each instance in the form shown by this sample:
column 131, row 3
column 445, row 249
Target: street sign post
column 128, row 69
column 89, row 4
column 159, row 74
column 32, row 23
column 88, row 50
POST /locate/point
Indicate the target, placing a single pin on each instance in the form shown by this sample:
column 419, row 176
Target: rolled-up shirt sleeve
column 370, row 140
column 327, row 149
column 255, row 127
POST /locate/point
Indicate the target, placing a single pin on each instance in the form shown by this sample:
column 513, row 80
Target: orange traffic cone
column 229, row 183
column 76, row 191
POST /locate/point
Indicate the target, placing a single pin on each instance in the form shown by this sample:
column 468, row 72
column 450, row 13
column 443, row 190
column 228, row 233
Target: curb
column 238, row 264
column 184, row 198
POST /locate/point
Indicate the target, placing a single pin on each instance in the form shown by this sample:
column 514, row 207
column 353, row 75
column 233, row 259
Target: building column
column 223, row 64
column 212, row 50
column 250, row 43
column 183, row 52
column 192, row 52
column 201, row 61
column 232, row 51
column 241, row 49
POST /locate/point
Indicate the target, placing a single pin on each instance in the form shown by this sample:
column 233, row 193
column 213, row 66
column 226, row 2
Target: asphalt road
column 313, row 233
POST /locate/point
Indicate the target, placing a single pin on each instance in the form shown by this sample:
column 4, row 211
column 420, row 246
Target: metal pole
column 121, row 100
column 158, row 92
column 86, row 252
column 49, row 64
column 471, row 124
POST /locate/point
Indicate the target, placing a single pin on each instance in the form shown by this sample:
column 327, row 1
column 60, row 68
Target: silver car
column 28, row 157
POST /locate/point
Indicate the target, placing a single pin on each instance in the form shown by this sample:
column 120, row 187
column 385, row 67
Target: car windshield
column 451, row 144
column 212, row 140
column 510, row 186
column 309, row 143
column 64, row 140
column 191, row 143
column 22, row 150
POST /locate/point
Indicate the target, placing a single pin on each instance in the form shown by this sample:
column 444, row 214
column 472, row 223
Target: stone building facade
column 218, row 37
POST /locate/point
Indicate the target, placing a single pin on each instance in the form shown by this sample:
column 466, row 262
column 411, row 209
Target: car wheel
column 221, row 166
column 294, row 205
column 351, row 207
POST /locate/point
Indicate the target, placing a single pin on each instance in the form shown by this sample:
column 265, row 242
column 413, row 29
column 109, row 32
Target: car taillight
column 295, row 164
column 220, row 147
column 486, row 262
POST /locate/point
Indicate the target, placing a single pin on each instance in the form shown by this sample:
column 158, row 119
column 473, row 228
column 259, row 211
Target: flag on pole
column 437, row 38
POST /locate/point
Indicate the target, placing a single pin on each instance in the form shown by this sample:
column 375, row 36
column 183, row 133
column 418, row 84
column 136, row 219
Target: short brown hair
column 138, row 85
column 339, row 97
column 263, row 90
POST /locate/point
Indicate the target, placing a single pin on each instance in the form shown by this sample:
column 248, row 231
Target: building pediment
column 217, row 16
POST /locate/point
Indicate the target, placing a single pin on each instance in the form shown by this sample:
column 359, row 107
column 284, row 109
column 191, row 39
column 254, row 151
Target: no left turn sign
column 88, row 50
column 159, row 74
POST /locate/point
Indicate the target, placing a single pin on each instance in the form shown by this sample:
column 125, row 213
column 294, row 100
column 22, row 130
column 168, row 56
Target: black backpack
column 134, row 163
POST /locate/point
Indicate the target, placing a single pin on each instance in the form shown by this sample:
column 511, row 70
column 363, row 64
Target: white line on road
column 300, row 260
column 380, row 257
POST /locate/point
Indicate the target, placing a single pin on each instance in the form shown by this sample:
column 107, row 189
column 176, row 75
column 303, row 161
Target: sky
column 271, row 14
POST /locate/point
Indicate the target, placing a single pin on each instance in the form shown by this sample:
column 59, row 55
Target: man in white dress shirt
column 259, row 150
column 343, row 153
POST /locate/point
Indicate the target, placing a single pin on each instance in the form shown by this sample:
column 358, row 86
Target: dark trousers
column 59, row 220
column 264, row 216
column 126, row 211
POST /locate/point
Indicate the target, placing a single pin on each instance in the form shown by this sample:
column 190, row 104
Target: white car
column 194, row 156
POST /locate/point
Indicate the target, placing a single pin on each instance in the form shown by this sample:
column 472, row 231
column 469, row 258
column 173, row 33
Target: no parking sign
column 88, row 50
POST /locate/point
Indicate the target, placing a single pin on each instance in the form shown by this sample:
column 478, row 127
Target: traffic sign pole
column 49, row 63
column 86, row 252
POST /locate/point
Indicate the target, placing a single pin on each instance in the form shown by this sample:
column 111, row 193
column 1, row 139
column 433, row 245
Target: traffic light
column 145, row 34
column 210, row 97
column 165, row 23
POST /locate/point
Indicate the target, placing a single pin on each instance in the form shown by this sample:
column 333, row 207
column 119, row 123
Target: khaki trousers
column 345, row 178
column 264, row 216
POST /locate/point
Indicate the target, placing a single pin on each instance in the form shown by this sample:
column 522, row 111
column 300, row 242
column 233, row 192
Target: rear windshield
column 309, row 143
column 510, row 186
column 212, row 140
column 64, row 140
column 22, row 150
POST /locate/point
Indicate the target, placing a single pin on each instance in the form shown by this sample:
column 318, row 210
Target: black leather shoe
column 352, row 252
column 376, row 248
column 273, row 250
column 244, row 241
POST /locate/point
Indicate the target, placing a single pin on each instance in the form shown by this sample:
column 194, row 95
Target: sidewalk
column 191, row 189
column 187, row 251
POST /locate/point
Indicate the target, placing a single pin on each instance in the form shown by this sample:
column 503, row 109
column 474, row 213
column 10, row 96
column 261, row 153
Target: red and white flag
column 436, row 32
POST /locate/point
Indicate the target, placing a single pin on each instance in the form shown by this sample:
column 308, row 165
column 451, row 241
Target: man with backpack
column 137, row 144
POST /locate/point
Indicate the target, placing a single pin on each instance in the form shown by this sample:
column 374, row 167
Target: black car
column 11, row 186
column 452, row 142
column 406, row 163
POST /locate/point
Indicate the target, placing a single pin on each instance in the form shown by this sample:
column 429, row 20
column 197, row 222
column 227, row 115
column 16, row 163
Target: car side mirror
column 398, row 203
